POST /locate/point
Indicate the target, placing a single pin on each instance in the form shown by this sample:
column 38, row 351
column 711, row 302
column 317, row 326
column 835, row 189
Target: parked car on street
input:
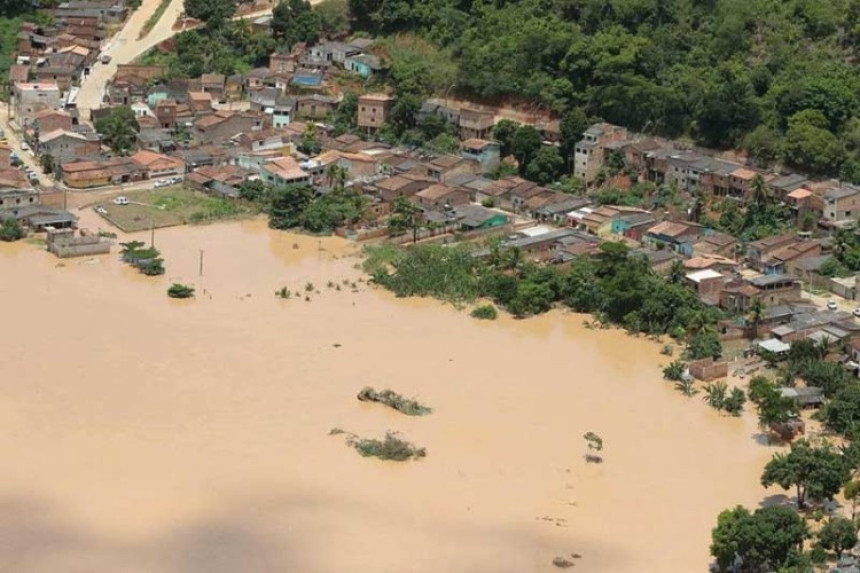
column 831, row 304
column 120, row 201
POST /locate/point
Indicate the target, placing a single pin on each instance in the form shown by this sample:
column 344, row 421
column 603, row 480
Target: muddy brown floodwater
column 147, row 435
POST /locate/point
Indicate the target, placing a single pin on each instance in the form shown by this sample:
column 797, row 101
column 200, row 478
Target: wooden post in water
column 201, row 262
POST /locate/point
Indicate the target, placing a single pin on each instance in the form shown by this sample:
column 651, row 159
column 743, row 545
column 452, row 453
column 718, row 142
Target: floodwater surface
column 148, row 435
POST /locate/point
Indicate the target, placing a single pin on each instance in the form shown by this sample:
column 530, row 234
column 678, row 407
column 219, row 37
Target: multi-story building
column 842, row 203
column 476, row 124
column 374, row 110
column 31, row 98
column 590, row 152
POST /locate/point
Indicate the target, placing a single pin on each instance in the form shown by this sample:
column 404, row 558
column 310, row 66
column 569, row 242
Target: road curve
column 126, row 47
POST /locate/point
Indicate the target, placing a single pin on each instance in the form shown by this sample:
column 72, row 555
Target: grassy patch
column 170, row 206
column 8, row 40
column 394, row 400
column 391, row 448
column 153, row 20
column 380, row 257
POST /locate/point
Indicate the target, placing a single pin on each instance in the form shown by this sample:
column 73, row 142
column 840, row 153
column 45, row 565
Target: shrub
column 11, row 230
column 309, row 287
column 144, row 259
column 686, row 387
column 734, row 402
column 485, row 312
column 675, row 370
column 392, row 399
column 283, row 293
column 151, row 267
column 716, row 394
column 177, row 290
column 391, row 448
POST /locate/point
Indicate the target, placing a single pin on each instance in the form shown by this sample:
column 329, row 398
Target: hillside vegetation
column 776, row 77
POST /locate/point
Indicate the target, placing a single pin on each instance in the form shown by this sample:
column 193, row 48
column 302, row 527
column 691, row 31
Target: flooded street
column 148, row 435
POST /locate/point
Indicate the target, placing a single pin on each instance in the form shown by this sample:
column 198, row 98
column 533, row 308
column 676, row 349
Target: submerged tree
column 838, row 534
column 716, row 394
column 763, row 540
column 405, row 216
column 815, row 472
column 11, row 230
column 178, row 290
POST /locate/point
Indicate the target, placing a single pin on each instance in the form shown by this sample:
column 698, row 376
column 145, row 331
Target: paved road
column 14, row 141
column 124, row 47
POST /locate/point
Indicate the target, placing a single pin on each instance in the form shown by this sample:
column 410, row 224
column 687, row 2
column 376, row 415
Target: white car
column 120, row 201
column 24, row 146
column 831, row 304
column 857, row 312
column 163, row 183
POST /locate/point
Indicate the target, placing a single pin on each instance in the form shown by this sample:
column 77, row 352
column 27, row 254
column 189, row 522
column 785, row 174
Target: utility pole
column 152, row 231
column 201, row 261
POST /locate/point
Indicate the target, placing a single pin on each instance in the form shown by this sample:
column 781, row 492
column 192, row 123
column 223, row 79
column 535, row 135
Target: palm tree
column 760, row 194
column 686, row 387
column 336, row 176
column 843, row 240
column 715, row 394
column 823, row 347
column 515, row 258
column 756, row 311
column 676, row 273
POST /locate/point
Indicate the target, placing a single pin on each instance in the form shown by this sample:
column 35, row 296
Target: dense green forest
column 777, row 77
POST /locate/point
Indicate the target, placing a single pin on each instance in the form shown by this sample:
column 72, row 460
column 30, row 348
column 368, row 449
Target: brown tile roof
column 475, row 143
column 18, row 73
column 286, row 168
column 800, row 193
column 156, row 161
column 376, row 97
column 743, row 173
column 435, row 192
column 706, row 261
column 394, row 183
column 670, row 229
column 446, row 161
